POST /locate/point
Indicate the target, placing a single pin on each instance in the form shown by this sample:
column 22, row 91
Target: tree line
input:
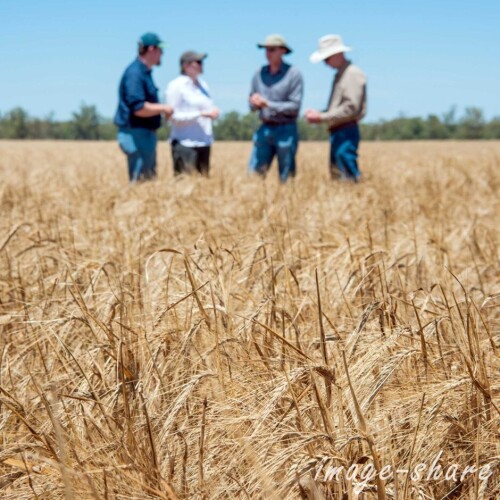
column 88, row 124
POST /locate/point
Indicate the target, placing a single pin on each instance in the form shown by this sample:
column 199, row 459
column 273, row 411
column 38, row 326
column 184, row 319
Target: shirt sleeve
column 354, row 85
column 173, row 97
column 135, row 92
column 253, row 90
column 291, row 106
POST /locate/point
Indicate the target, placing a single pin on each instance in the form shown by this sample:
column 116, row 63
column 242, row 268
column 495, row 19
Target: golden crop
column 227, row 337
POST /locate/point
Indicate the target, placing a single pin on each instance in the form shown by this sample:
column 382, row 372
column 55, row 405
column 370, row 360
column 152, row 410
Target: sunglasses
column 271, row 49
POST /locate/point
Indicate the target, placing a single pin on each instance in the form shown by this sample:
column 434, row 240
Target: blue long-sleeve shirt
column 136, row 88
column 283, row 91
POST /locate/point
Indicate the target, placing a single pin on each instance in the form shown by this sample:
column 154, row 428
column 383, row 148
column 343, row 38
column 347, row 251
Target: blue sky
column 420, row 57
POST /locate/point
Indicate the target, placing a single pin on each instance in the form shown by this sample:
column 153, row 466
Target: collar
column 187, row 80
column 283, row 67
column 343, row 67
column 143, row 66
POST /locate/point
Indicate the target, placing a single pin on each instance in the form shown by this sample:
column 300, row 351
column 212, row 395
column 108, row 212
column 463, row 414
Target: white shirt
column 189, row 100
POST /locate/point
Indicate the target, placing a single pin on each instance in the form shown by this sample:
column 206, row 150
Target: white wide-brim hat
column 328, row 45
column 275, row 41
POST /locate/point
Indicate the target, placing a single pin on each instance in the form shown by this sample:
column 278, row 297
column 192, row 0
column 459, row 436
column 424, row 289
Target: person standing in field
column 194, row 111
column 276, row 93
column 139, row 112
column 346, row 107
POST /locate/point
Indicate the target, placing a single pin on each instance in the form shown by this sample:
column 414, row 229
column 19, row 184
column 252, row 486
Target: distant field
column 234, row 338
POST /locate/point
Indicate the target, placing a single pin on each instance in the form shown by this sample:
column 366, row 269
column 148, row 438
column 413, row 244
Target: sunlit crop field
column 234, row 338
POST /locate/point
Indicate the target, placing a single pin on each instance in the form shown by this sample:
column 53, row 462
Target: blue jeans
column 139, row 144
column 271, row 140
column 344, row 153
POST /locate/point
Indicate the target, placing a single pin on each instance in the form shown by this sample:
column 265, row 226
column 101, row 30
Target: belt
column 342, row 126
column 274, row 123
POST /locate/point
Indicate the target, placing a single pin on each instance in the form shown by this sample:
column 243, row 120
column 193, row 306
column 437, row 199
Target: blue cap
column 151, row 39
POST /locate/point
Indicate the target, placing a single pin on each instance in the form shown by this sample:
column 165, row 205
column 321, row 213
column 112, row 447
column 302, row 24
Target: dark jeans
column 190, row 159
column 271, row 140
column 344, row 153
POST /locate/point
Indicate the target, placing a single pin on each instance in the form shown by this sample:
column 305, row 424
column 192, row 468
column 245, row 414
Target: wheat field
column 235, row 338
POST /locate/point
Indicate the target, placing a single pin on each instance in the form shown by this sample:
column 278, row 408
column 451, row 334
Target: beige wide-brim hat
column 275, row 41
column 328, row 45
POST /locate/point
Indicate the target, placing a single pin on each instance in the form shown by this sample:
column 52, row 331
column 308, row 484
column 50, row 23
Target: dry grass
column 219, row 338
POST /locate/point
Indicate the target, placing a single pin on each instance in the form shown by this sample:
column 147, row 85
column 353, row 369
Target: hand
column 213, row 114
column 258, row 101
column 312, row 116
column 255, row 100
column 168, row 111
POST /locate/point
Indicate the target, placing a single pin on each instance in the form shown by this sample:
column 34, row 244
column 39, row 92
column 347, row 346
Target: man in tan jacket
column 347, row 105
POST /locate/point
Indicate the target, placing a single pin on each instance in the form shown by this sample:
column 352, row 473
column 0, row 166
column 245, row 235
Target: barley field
column 235, row 338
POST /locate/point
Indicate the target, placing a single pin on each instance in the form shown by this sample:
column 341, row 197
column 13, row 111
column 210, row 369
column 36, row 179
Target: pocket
column 127, row 143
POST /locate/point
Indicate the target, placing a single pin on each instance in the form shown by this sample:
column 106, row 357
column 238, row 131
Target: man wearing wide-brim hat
column 276, row 93
column 346, row 107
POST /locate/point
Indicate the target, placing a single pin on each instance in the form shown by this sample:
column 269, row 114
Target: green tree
column 16, row 124
column 450, row 121
column 86, row 123
column 228, row 127
column 492, row 129
column 471, row 125
column 308, row 132
column 42, row 128
column 435, row 129
column 107, row 130
column 249, row 123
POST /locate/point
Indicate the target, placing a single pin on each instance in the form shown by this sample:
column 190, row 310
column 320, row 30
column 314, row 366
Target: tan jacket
column 348, row 97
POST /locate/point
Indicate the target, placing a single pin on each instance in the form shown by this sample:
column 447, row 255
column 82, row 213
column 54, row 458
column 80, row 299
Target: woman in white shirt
column 194, row 111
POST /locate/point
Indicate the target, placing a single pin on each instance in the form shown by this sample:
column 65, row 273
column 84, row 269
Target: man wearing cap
column 191, row 136
column 139, row 112
column 276, row 93
column 346, row 107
